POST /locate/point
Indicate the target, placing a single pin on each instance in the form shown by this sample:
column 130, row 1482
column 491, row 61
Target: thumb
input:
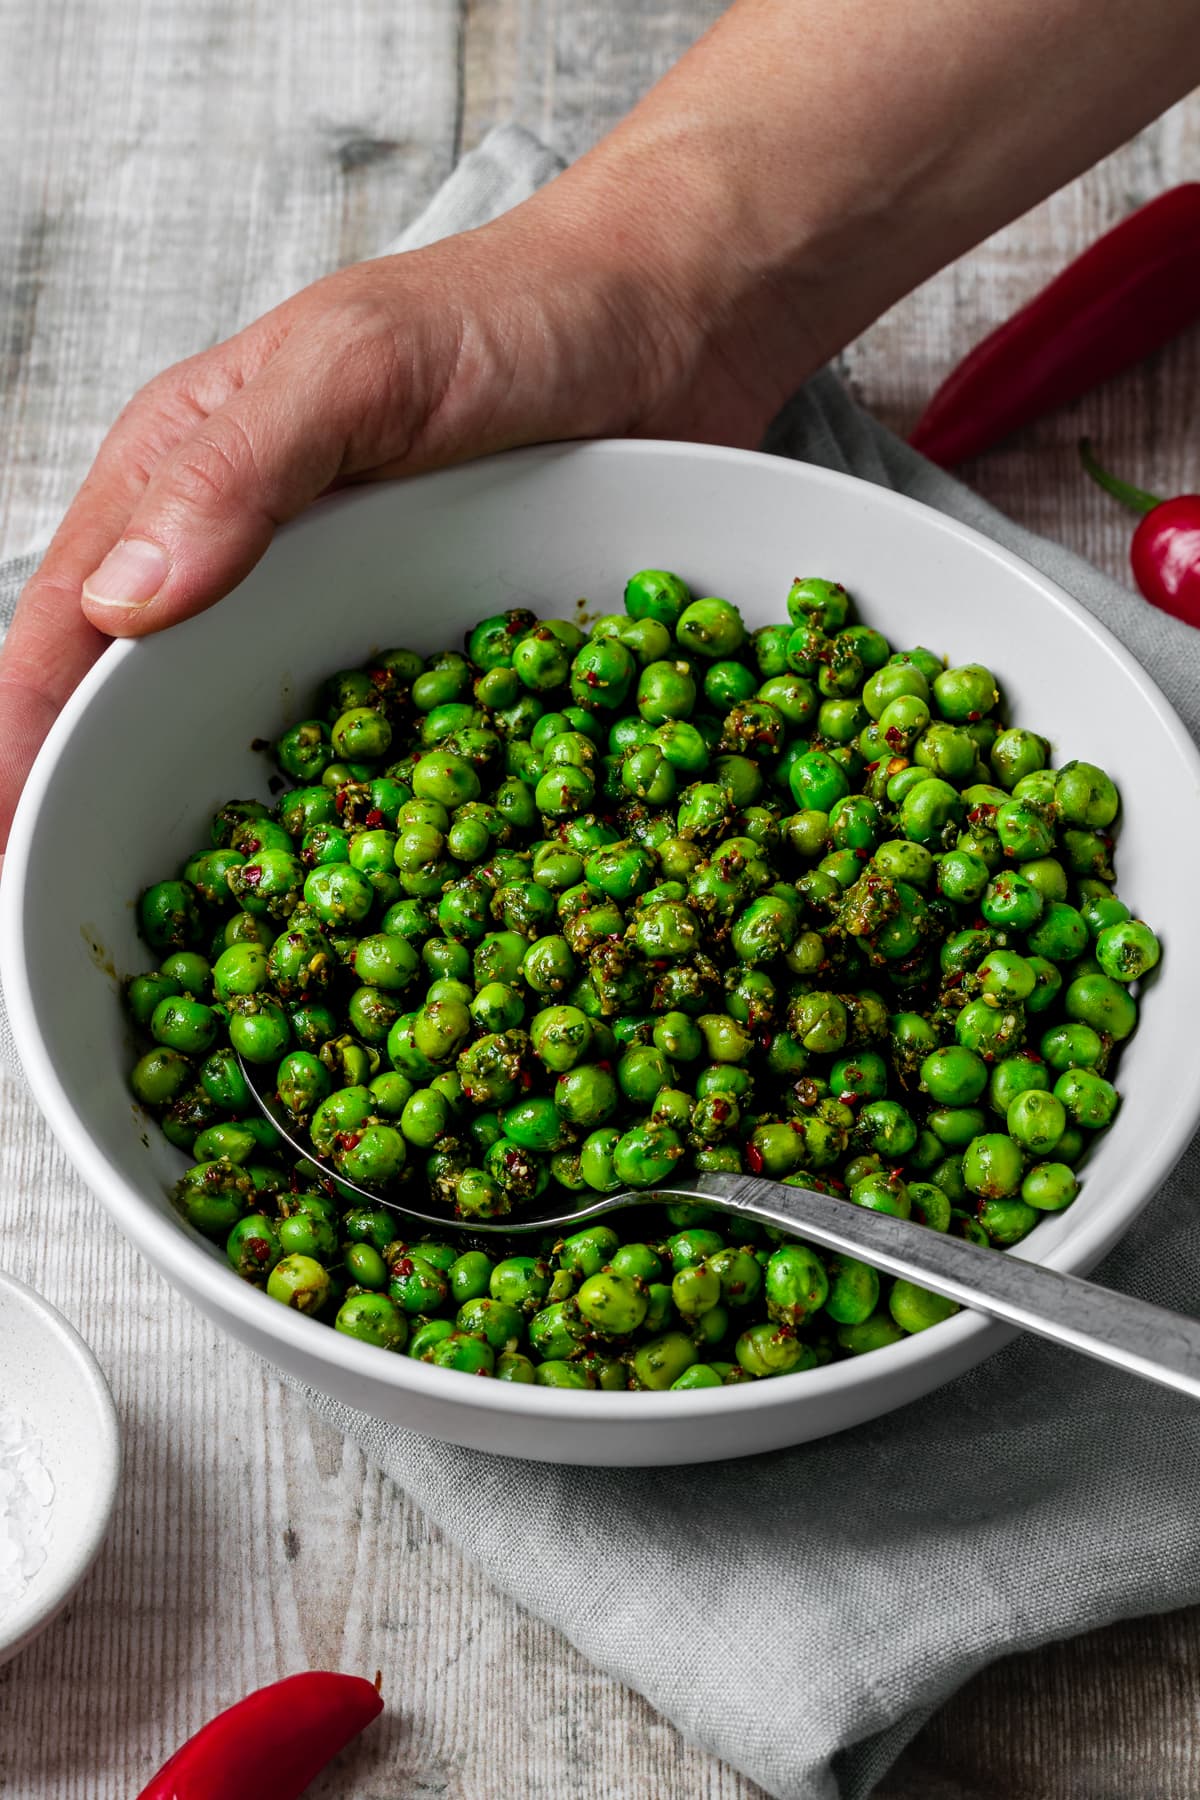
column 211, row 505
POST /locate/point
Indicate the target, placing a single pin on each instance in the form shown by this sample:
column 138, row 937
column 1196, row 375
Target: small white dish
column 48, row 1374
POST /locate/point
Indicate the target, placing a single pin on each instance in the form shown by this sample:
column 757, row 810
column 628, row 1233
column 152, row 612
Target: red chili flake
column 329, row 1186
column 259, row 1249
column 834, row 1183
column 348, row 1140
column 403, row 1266
column 871, row 768
column 467, row 1094
column 894, row 736
column 974, row 717
column 339, row 800
column 512, row 1158
column 606, row 1066
column 526, row 1081
column 766, row 1040
column 590, row 678
column 252, row 875
column 895, row 1174
column 374, row 817
column 754, row 1158
column 379, row 677
column 720, row 1110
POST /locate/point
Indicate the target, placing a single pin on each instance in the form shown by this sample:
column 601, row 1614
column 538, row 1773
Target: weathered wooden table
column 169, row 170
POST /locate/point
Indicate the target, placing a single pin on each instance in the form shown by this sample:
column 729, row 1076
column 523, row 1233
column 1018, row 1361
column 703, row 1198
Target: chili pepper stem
column 1136, row 498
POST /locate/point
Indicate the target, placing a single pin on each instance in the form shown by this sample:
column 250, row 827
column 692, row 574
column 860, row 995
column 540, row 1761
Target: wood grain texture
column 169, row 170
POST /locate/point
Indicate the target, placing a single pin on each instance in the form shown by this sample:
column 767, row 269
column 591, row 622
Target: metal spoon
column 1114, row 1328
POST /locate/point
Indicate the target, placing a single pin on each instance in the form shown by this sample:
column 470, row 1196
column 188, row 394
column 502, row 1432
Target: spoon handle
column 1114, row 1328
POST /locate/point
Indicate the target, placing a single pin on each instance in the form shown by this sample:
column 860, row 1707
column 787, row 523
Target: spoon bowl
column 1149, row 1341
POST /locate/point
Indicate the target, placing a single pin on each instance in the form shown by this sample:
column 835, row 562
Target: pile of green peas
column 575, row 911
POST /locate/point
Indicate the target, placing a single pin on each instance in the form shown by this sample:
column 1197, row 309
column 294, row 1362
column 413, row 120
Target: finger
column 51, row 645
column 211, row 506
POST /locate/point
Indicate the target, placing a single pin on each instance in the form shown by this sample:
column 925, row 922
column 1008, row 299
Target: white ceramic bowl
column 161, row 731
column 51, row 1377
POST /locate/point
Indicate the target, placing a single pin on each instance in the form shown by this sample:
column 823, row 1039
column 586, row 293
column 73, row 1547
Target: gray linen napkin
column 801, row 1614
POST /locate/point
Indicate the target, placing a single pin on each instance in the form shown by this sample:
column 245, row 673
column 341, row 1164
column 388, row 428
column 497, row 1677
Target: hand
column 538, row 327
column 800, row 169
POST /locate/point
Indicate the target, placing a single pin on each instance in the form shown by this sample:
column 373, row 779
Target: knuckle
column 216, row 463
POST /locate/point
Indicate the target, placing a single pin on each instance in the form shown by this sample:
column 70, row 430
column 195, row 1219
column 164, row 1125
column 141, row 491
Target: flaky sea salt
column 26, row 1506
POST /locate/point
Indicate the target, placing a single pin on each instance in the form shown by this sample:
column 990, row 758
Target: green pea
column 993, row 1166
column 1049, row 1187
column 915, row 1309
column 646, row 1155
column 1125, row 950
column 1101, row 1002
column 1036, row 1121
column 373, row 1319
column 954, row 1076
column 768, row 1349
column 181, row 1023
column 1101, row 910
column 853, row 1290
column 1084, row 796
column 656, row 594
column 159, row 1076
column 1073, row 1046
column 796, row 1284
column 190, row 972
column 1089, row 1100
column 1007, row 1220
column 930, row 1205
column 1013, row 1076
column 928, row 809
column 989, row 1027
column 299, row 1282
column 241, row 969
column 143, row 993
column 883, row 1193
column 817, row 783
column 614, row 1304
column 253, row 1248
column 168, row 915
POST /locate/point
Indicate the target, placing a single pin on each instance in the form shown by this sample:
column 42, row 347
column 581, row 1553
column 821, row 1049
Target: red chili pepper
column 1165, row 552
column 271, row 1744
column 1136, row 287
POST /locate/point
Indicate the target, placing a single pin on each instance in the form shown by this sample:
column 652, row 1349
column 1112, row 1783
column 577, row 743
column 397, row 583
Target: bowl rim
column 965, row 1338
column 27, row 1620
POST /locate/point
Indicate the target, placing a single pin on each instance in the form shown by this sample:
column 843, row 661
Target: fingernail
column 130, row 575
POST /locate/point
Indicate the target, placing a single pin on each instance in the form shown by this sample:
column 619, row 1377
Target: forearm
column 810, row 161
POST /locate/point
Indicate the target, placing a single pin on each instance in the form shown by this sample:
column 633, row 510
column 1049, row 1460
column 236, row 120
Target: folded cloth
column 801, row 1614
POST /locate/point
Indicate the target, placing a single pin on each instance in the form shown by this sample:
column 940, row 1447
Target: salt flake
column 26, row 1506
